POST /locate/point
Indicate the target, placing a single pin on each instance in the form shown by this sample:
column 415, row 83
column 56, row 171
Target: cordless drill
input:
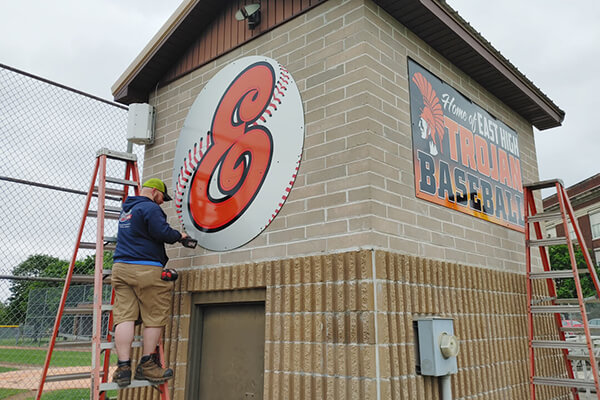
column 170, row 274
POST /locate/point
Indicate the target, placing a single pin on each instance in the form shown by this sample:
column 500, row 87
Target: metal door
column 231, row 355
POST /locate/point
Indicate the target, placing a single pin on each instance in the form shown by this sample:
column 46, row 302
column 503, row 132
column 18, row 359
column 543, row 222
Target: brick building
column 585, row 199
column 321, row 303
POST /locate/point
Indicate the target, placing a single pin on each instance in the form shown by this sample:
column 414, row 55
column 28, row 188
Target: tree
column 40, row 265
column 560, row 259
column 34, row 266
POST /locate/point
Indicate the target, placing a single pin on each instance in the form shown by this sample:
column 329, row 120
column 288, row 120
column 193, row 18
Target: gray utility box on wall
column 140, row 123
column 437, row 346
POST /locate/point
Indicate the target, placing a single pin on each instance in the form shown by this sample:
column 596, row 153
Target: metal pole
column 445, row 387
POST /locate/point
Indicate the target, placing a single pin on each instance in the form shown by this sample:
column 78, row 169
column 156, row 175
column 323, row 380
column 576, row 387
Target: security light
column 251, row 12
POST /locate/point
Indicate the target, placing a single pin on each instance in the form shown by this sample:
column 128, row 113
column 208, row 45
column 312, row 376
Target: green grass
column 37, row 357
column 60, row 358
column 71, row 394
column 6, row 393
column 24, row 342
column 4, row 369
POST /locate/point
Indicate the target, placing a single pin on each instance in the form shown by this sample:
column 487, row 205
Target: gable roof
column 434, row 21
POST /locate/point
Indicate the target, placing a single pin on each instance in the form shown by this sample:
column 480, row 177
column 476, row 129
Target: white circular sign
column 238, row 153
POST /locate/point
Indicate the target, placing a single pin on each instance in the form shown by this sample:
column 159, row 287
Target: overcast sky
column 555, row 43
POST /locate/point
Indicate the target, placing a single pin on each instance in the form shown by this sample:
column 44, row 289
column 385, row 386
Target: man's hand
column 187, row 241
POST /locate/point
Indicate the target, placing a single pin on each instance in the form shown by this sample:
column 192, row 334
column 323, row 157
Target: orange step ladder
column 579, row 354
column 101, row 346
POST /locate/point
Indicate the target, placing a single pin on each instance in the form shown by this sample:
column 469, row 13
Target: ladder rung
column 580, row 357
column 86, row 309
column 71, row 343
column 594, row 330
column 547, row 242
column 112, row 333
column 545, row 216
column 116, row 155
column 103, row 345
column 543, row 184
column 591, row 299
column 554, row 309
column 134, row 383
column 77, row 310
column 92, row 246
column 70, row 377
column 543, row 300
column 111, row 345
column 112, row 209
column 121, row 181
column 560, row 273
column 111, row 191
column 107, row 215
column 557, row 344
column 564, row 382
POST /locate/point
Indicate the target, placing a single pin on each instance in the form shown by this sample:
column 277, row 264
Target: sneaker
column 122, row 376
column 153, row 372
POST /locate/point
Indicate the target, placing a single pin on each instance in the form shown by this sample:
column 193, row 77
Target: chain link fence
column 49, row 135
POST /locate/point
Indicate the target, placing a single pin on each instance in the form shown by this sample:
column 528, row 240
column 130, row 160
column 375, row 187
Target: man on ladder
column 140, row 293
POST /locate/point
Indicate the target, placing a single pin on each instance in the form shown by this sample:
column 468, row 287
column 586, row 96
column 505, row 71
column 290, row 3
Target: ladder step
column 555, row 309
column 545, row 216
column 121, row 181
column 547, row 242
column 92, row 246
column 560, row 273
column 107, row 214
column 591, row 299
column 594, row 330
column 542, row 300
column 543, row 184
column 134, row 384
column 111, row 191
column 86, row 309
column 116, row 155
column 71, row 343
column 111, row 345
column 581, row 357
column 564, row 382
column 558, row 344
column 70, row 377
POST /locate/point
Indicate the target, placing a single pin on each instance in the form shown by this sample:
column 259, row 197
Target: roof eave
column 121, row 89
column 470, row 52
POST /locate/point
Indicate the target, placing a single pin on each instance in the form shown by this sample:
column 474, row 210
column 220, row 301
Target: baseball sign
column 238, row 153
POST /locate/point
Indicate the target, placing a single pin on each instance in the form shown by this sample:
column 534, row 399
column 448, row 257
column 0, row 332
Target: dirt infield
column 30, row 378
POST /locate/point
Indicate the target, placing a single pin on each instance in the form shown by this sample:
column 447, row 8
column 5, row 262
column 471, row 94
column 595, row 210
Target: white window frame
column 595, row 225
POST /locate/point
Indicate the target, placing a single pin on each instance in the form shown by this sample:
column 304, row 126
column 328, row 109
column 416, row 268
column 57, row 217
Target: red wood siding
column 225, row 32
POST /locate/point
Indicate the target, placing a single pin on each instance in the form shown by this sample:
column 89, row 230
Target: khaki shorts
column 140, row 293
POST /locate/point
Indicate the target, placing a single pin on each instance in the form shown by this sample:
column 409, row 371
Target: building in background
column 585, row 199
column 407, row 201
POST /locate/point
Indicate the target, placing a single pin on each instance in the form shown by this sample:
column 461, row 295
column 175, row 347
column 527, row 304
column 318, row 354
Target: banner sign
column 464, row 158
column 238, row 153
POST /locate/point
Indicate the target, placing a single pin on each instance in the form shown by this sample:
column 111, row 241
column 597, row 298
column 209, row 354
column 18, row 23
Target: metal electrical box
column 140, row 123
column 437, row 346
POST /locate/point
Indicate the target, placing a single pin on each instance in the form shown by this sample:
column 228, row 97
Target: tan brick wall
column 340, row 327
column 355, row 187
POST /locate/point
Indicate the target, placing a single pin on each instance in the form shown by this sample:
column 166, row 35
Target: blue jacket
column 143, row 231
